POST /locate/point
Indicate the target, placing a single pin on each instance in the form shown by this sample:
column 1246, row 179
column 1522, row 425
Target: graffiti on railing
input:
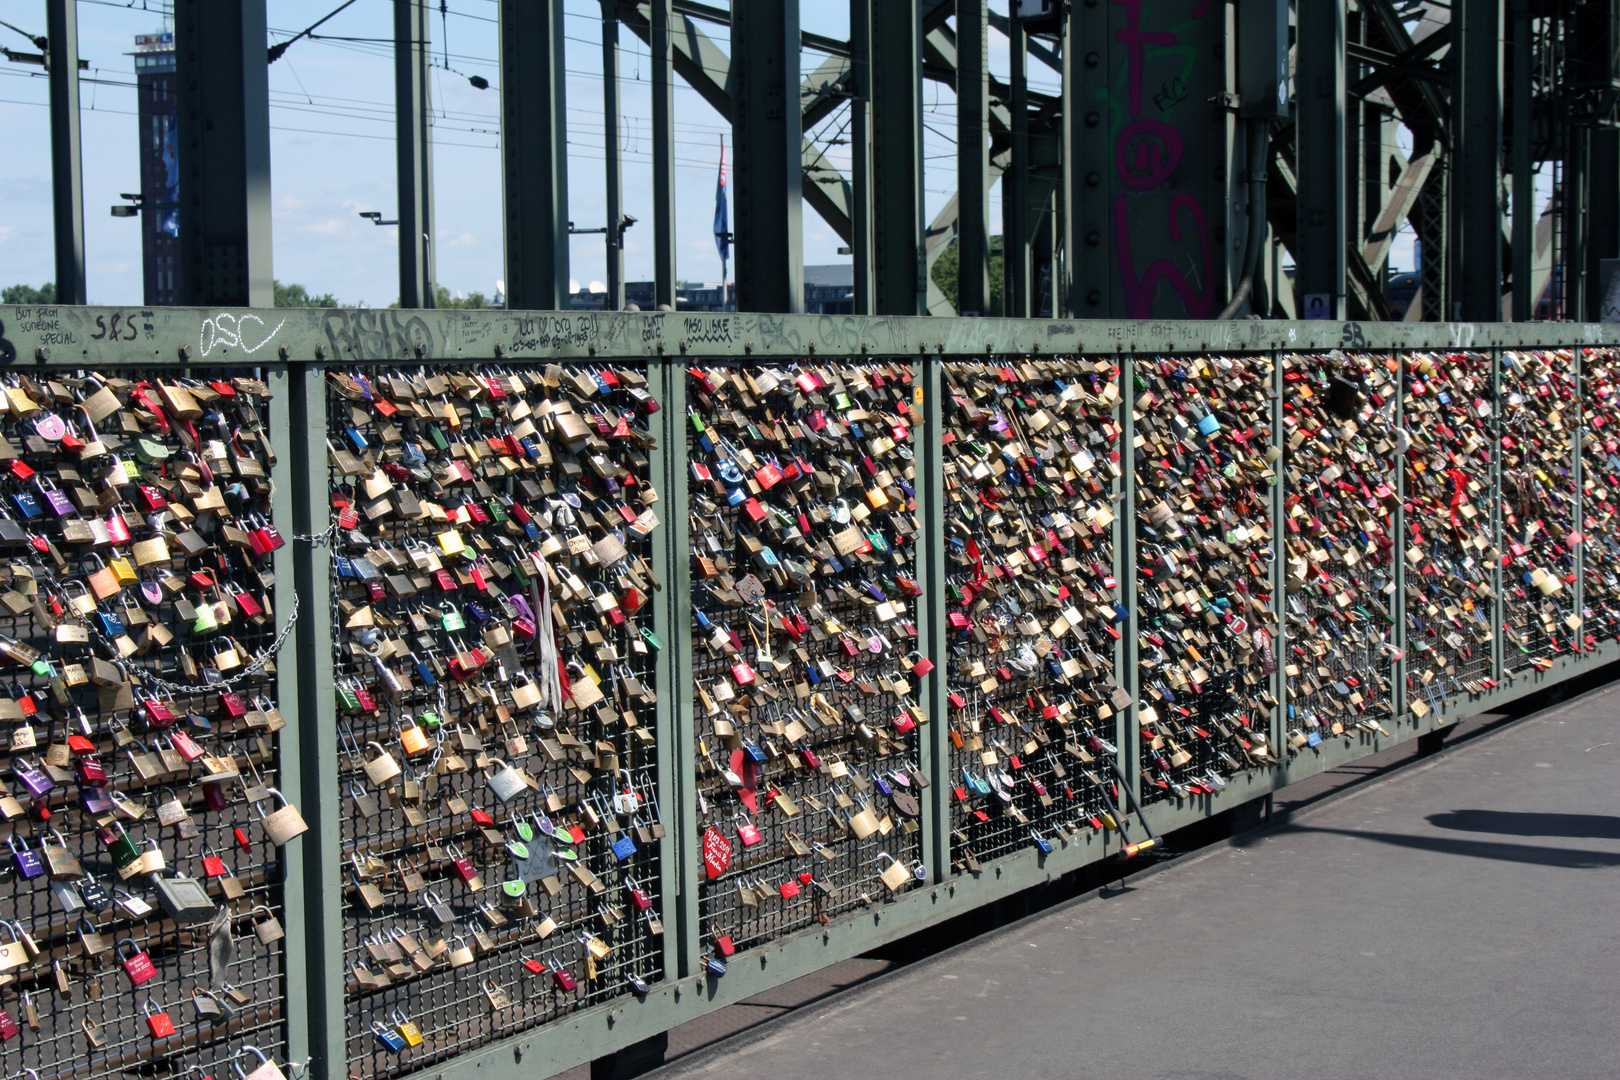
column 225, row 331
column 376, row 333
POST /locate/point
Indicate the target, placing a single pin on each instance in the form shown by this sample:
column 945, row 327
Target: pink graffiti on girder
column 1146, row 153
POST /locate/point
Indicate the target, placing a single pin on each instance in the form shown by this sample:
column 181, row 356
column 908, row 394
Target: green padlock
column 151, row 450
column 452, row 619
column 348, row 701
column 651, row 638
column 430, row 720
column 123, row 850
column 206, row 622
column 437, row 435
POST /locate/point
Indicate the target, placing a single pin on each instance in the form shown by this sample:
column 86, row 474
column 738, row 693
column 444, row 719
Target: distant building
column 159, row 165
column 828, row 290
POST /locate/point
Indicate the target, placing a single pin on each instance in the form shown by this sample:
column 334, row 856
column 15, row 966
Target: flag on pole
column 722, row 222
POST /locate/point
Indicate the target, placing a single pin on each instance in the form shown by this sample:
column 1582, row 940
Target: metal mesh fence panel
column 1340, row 439
column 1033, row 478
column 1600, row 487
column 804, row 607
column 1538, row 503
column 1204, row 562
column 141, row 894
column 1450, row 544
column 494, row 684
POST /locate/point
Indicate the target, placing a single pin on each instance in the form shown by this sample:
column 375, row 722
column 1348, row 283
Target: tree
column 443, row 299
column 297, row 296
column 946, row 268
column 27, row 294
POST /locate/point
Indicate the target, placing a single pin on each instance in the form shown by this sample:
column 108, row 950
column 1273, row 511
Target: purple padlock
column 28, row 863
column 33, row 778
column 59, row 503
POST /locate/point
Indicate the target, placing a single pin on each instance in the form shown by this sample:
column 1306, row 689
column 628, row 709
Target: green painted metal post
column 860, row 137
column 413, row 141
column 1126, row 673
column 67, row 177
column 663, row 139
column 223, row 83
column 1397, row 667
column 932, row 572
column 1320, row 138
column 285, row 383
column 973, row 158
column 1279, row 567
column 677, row 777
column 671, row 625
column 766, row 127
column 897, row 223
column 1015, row 231
column 1498, row 591
column 1577, row 511
column 534, row 154
column 1476, row 131
column 315, row 724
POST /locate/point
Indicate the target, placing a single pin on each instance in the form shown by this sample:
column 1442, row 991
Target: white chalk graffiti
column 229, row 332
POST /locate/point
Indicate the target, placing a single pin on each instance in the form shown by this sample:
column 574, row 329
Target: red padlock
column 138, row 966
column 158, row 1023
column 716, row 852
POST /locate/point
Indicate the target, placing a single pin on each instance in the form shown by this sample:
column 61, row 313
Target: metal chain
column 320, row 537
column 206, row 688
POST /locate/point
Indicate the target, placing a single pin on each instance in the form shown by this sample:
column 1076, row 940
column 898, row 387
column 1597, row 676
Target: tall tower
column 160, row 167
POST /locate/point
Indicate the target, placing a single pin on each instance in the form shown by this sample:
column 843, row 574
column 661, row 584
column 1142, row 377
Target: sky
column 333, row 155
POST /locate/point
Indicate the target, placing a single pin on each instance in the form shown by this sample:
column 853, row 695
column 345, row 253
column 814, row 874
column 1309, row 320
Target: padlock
column 13, row 954
column 266, row 1069
column 285, row 823
column 380, row 767
column 267, row 929
column 60, row 863
column 184, row 899
column 27, row 863
column 158, row 1022
column 136, row 964
column 506, row 782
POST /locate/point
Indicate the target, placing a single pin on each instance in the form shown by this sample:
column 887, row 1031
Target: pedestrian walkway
column 1456, row 919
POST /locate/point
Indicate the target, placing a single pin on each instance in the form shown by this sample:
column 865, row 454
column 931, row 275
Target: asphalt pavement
column 1456, row 919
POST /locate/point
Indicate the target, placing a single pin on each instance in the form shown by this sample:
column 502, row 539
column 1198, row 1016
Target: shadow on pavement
column 1507, row 823
column 1558, row 858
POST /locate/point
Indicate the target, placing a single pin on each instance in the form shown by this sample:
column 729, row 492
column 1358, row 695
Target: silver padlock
column 507, row 783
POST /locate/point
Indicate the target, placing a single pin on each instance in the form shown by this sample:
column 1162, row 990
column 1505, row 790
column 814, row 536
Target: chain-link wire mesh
column 1600, row 487
column 1340, row 441
column 1208, row 623
column 1032, row 481
column 496, row 697
column 1538, row 410
column 804, row 541
column 139, row 704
